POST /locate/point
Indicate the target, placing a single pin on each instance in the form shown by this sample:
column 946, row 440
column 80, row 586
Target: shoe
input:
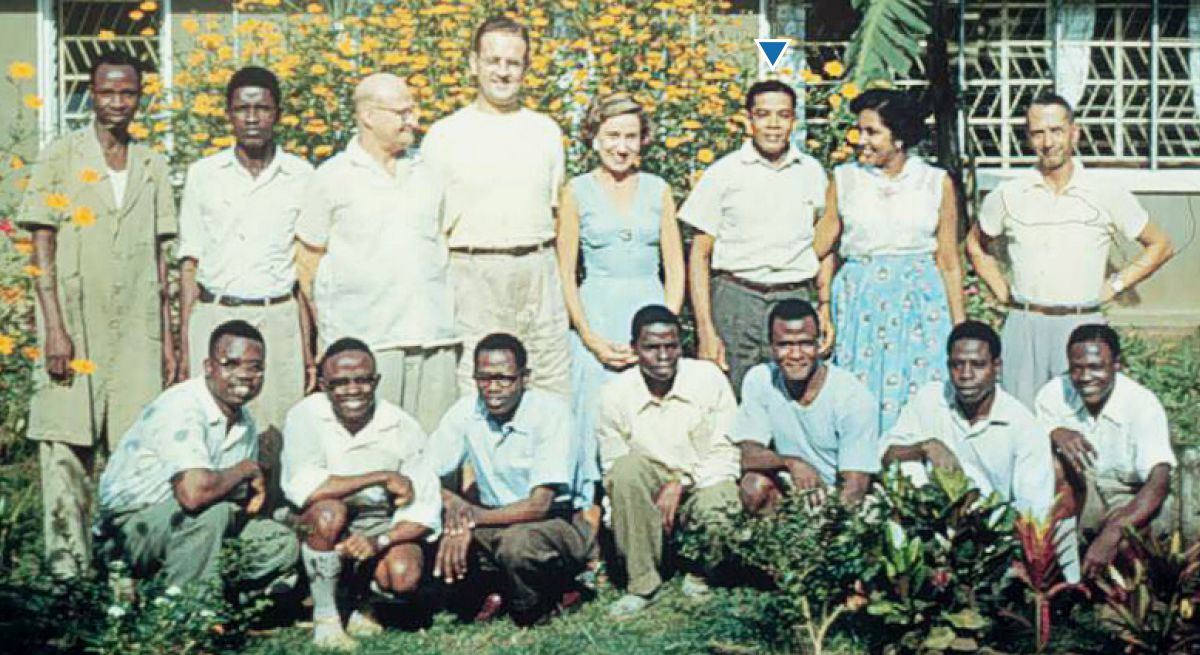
column 328, row 635
column 628, row 606
column 363, row 624
column 490, row 608
column 569, row 601
column 695, row 587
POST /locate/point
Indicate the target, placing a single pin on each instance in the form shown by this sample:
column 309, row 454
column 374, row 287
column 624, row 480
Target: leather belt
column 515, row 251
column 761, row 287
column 207, row 296
column 1054, row 310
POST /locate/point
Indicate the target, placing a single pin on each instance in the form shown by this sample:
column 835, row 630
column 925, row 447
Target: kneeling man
column 186, row 475
column 970, row 423
column 817, row 417
column 663, row 429
column 1111, row 444
column 353, row 464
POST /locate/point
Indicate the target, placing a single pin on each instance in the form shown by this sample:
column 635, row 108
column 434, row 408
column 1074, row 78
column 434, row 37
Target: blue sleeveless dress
column 619, row 255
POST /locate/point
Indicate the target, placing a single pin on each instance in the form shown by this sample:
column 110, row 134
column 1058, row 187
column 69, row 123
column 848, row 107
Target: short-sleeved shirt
column 1008, row 452
column 1130, row 434
column 538, row 447
column 503, row 172
column 316, row 445
column 182, row 429
column 1041, row 225
column 884, row 215
column 760, row 217
column 241, row 229
column 384, row 276
column 686, row 431
column 837, row 432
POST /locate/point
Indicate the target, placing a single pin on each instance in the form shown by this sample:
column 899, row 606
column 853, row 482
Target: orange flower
column 136, row 15
column 835, row 101
column 107, row 35
column 190, row 25
column 323, row 150
column 21, row 70
column 32, row 271
column 23, row 247
column 89, row 175
column 7, row 344
column 33, row 101
column 314, row 8
column 138, row 131
column 16, row 163
column 705, row 156
column 83, row 366
column 83, row 216
column 12, row 295
column 148, row 5
column 32, row 353
column 57, row 201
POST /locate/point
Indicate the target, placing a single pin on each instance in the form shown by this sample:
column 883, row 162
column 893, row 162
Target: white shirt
column 1008, row 452
column 316, row 446
column 1130, row 434
column 119, row 181
column 1059, row 242
column 503, row 172
column 687, row 430
column 760, row 217
column 383, row 278
column 240, row 229
column 182, row 429
column 889, row 216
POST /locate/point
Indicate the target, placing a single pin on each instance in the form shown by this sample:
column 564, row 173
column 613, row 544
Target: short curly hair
column 612, row 105
column 898, row 111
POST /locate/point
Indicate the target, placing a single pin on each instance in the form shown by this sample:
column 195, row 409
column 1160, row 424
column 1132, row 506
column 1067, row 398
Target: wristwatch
column 383, row 541
column 1115, row 282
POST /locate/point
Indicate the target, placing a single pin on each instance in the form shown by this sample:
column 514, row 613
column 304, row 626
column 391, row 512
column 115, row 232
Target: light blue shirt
column 837, row 432
column 537, row 447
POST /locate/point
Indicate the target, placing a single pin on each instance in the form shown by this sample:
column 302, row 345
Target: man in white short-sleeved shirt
column 755, row 211
column 1059, row 222
column 236, row 228
column 373, row 258
column 1111, row 443
column 353, row 464
column 503, row 166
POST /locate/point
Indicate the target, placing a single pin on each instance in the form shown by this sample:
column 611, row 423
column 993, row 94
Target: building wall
column 1172, row 297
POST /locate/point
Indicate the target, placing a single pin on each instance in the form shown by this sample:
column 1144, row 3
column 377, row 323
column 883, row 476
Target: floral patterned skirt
column 892, row 321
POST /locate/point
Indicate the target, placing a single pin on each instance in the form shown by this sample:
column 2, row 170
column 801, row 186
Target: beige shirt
column 687, row 431
column 761, row 217
column 240, row 229
column 316, row 446
column 1130, row 435
column 384, row 276
column 1059, row 242
column 502, row 172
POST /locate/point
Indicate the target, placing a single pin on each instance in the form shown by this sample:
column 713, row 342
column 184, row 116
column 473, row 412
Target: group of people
column 443, row 364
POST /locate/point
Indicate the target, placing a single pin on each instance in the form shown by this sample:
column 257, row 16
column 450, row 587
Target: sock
column 324, row 568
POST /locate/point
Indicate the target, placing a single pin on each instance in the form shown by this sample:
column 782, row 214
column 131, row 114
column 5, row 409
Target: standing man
column 521, row 523
column 755, row 211
column 503, row 165
column 1059, row 223
column 373, row 257
column 663, row 429
column 99, row 207
column 353, row 464
column 802, row 417
column 236, row 231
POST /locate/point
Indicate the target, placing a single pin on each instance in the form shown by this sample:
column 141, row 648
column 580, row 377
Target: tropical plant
column 1039, row 570
column 887, row 41
column 1152, row 607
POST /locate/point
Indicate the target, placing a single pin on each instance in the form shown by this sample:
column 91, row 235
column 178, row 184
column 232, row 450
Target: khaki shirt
column 686, row 431
column 108, row 287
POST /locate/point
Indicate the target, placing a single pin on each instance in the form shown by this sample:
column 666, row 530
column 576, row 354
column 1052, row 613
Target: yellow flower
column 22, row 183
column 138, row 131
column 834, row 68
column 812, row 144
column 314, row 8
column 223, row 141
column 289, row 121
column 89, row 176
column 148, row 5
column 21, row 70
column 137, row 14
column 83, row 366
column 147, row 31
column 691, row 125
column 32, row 353
column 323, row 150
column 12, row 295
column 673, row 142
column 418, row 81
column 853, row 135
column 16, row 163
column 23, row 247
column 835, row 101
column 32, row 101
column 83, row 216
column 1186, row 609
column 850, row 91
column 200, row 137
column 318, row 69
column 190, row 25
column 107, row 35
column 7, row 344
column 705, row 156
column 57, row 201
column 32, row 271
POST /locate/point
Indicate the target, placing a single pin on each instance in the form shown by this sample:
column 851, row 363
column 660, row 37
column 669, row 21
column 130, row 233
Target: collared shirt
column 1040, row 226
column 383, row 278
column 889, row 215
column 239, row 228
column 538, row 447
column 316, row 446
column 1130, row 434
column 837, row 432
column 503, row 172
column 1008, row 452
column 687, row 430
column 761, row 217
column 182, row 429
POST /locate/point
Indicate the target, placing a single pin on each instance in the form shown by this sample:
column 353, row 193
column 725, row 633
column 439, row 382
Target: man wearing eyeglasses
column 372, row 256
column 186, row 475
column 352, row 464
column 519, row 521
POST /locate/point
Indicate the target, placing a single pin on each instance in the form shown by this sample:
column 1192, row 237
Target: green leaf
column 887, row 41
column 967, row 619
column 939, row 638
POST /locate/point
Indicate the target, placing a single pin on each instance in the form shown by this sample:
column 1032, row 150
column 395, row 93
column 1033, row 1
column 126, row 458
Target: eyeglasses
column 251, row 368
column 404, row 114
column 501, row 380
column 362, row 381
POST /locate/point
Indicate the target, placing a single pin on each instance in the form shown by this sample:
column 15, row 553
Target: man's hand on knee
column 451, row 562
column 358, row 546
column 667, row 501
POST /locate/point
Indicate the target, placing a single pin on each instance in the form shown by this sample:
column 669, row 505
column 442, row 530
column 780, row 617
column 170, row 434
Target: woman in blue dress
column 615, row 224
column 899, row 289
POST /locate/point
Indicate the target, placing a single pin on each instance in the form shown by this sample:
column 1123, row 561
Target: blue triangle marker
column 772, row 50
